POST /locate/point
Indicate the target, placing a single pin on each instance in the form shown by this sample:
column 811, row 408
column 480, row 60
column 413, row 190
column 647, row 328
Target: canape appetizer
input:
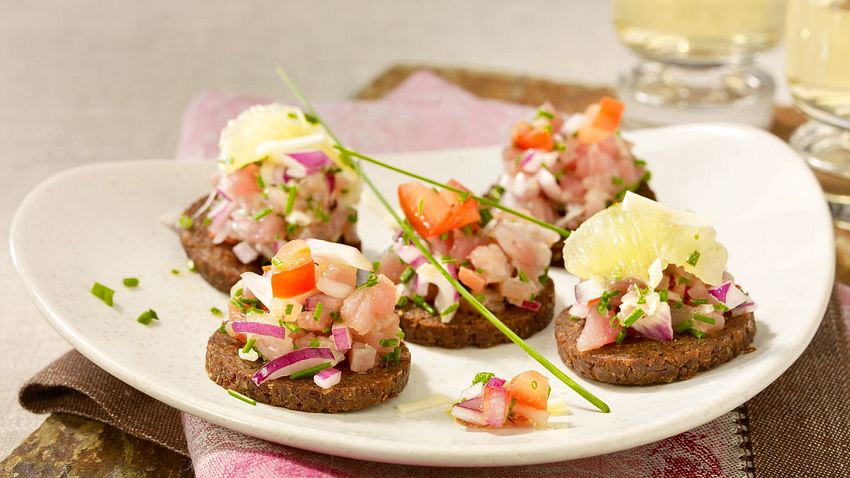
column 565, row 170
column 305, row 336
column 655, row 303
column 279, row 179
column 501, row 259
column 491, row 402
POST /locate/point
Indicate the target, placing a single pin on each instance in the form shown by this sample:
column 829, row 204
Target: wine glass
column 697, row 59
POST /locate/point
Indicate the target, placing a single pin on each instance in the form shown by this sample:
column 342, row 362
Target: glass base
column 660, row 94
column 827, row 151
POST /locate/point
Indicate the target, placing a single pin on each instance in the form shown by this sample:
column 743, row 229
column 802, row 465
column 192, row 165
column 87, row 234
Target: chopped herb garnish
column 265, row 212
column 291, row 326
column 682, row 327
column 683, row 280
column 616, row 180
column 574, row 318
column 448, row 259
column 393, row 356
column 400, row 334
column 309, row 372
column 679, row 305
column 603, row 306
column 721, row 307
column 352, row 217
column 290, row 200
column 545, row 114
column 239, row 305
column 190, row 264
column 326, row 330
column 314, row 343
column 388, row 342
column 185, row 222
column 335, row 316
column 699, row 301
column 444, row 236
column 131, row 282
column 215, row 311
column 207, row 221
column 641, row 297
column 420, row 205
column 249, row 344
column 467, row 230
column 450, row 309
column 402, row 301
column 696, row 333
column 662, row 294
column 406, row 275
column 260, row 183
column 221, row 329
column 522, row 276
column 534, row 385
column 486, row 216
column 640, row 163
column 422, row 304
column 311, row 118
column 703, row 318
column 370, row 282
column 235, row 394
column 147, row 316
column 633, row 317
column 693, row 258
column 376, row 265
column 317, row 313
column 483, row 377
column 289, row 308
column 291, row 228
column 696, row 237
column 103, row 293
column 621, row 335
column 175, row 272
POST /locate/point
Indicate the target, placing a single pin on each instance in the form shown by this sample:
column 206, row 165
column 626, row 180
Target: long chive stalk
column 411, row 235
column 481, row 199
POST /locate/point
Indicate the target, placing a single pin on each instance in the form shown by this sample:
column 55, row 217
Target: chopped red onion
column 292, row 362
column 472, row 403
column 658, row 326
column 468, row 416
column 531, row 305
column 473, row 391
column 341, row 336
column 745, row 308
column 410, row 254
column 496, row 410
column 258, row 328
column 313, row 161
column 588, row 290
column 447, row 295
column 327, row 378
column 331, row 180
column 245, row 252
column 720, row 291
column 339, row 253
column 496, row 382
column 260, row 286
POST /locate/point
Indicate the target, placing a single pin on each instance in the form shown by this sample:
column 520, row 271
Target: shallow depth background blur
column 84, row 81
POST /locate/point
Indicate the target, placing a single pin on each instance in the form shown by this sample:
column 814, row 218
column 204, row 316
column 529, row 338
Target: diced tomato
column 472, row 279
column 605, row 123
column 432, row 213
column 296, row 272
column 294, row 282
column 423, row 207
column 530, row 388
column 525, row 136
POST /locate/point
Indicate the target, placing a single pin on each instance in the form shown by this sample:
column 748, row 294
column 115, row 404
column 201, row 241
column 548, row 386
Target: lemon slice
column 267, row 130
column 640, row 237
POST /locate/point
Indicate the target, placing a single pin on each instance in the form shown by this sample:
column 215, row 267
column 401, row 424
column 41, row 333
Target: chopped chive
column 640, row 163
column 326, row 330
column 393, row 356
column 388, row 342
column 721, row 307
column 147, row 316
column 260, row 183
column 450, row 309
column 402, row 301
column 486, row 216
column 370, row 282
column 633, row 317
column 131, row 282
column 239, row 305
column 291, row 228
column 682, row 327
column 696, row 237
column 352, row 218
column 693, row 258
column 235, row 394
column 483, row 377
column 291, row 326
column 290, row 200
column 317, row 313
column 249, row 344
column 699, row 301
column 604, row 301
column 265, row 212
column 221, row 329
column 467, row 230
column 277, row 263
column 207, row 221
column 406, row 275
column 641, row 296
column 444, row 236
column 314, row 343
column 545, row 114
column 574, row 318
column 448, row 259
column 616, row 180
column 683, row 280
column 289, row 308
column 215, row 311
column 400, row 334
column 312, row 119
column 696, row 333
column 662, row 294
column 185, row 222
column 621, row 335
column 335, row 316
column 702, row 318
column 175, row 272
column 103, row 293
column 534, row 385
column 420, row 205
column 309, row 372
column 522, row 276
column 422, row 304
column 376, row 265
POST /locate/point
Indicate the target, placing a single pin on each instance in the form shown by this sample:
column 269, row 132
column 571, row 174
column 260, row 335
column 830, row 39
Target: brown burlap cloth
column 798, row 426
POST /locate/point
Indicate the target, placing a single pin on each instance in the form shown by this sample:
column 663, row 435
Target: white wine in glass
column 699, row 57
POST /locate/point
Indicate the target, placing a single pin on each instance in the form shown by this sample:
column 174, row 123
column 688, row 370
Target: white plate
column 100, row 223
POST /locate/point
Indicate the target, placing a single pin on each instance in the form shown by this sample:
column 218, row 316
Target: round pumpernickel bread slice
column 468, row 327
column 217, row 263
column 558, row 249
column 355, row 391
column 640, row 361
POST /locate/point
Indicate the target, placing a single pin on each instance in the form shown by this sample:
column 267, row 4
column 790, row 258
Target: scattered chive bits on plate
column 147, row 316
column 131, row 282
column 103, row 293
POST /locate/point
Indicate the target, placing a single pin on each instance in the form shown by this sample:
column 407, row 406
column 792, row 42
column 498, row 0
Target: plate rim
column 370, row 448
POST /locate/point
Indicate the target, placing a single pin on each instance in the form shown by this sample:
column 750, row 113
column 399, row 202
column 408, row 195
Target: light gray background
column 85, row 81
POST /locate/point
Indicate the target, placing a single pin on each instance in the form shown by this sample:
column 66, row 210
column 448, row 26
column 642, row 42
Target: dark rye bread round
column 216, row 263
column 468, row 327
column 639, row 361
column 355, row 391
column 558, row 249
